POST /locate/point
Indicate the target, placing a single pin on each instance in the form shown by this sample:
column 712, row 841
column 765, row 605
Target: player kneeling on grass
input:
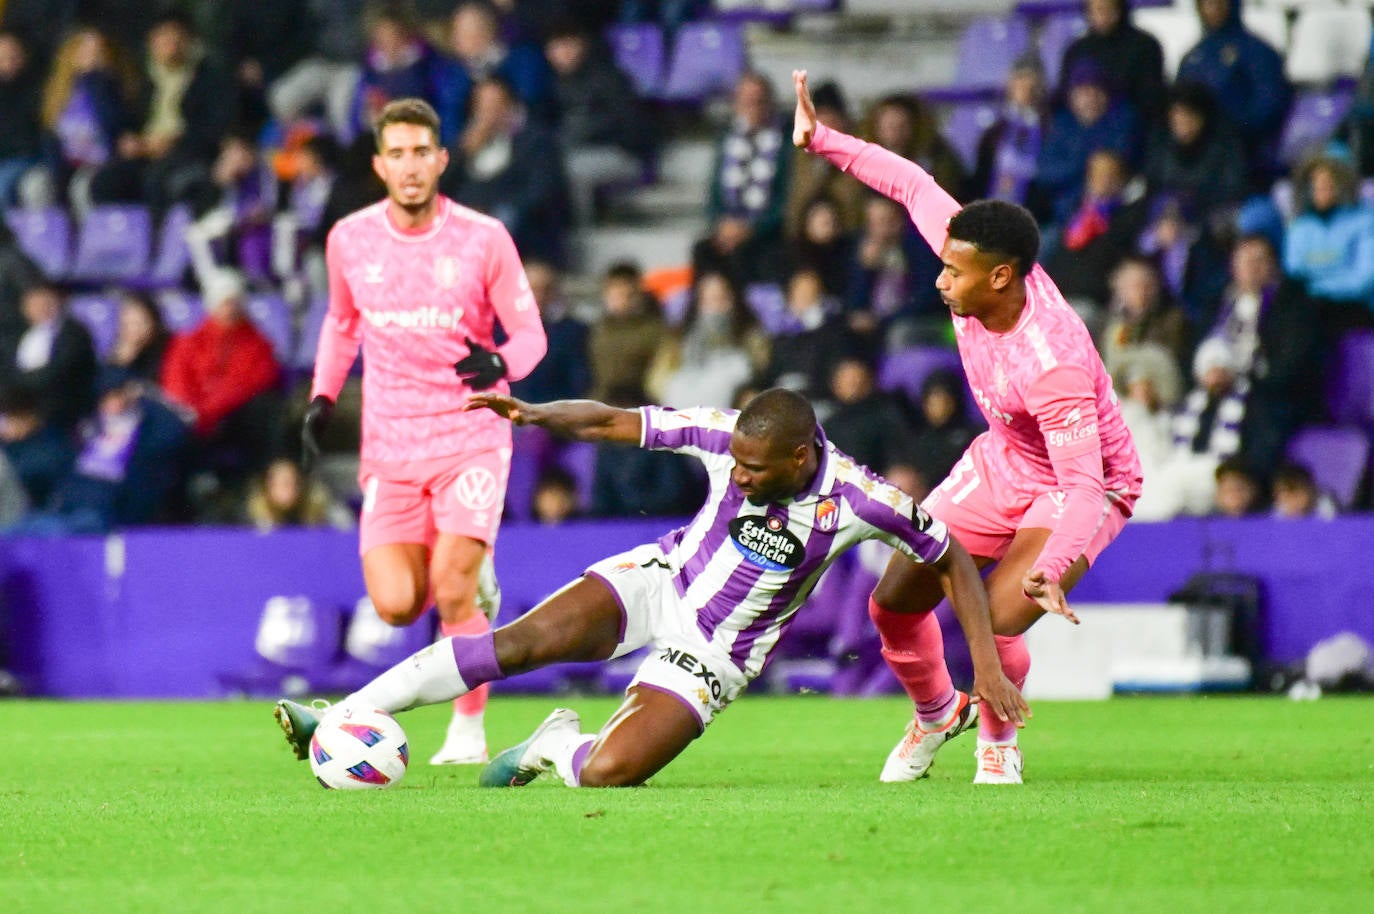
column 712, row 598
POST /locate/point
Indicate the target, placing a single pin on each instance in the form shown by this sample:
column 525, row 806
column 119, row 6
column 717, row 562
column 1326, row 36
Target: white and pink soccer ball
column 358, row 750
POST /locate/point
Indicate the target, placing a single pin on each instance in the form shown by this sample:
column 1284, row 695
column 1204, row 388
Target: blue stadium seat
column 181, row 311
column 173, row 257
column 987, row 50
column 905, row 370
column 1337, row 456
column 1058, row 32
column 1314, row 117
column 965, row 127
column 272, row 315
column 639, row 51
column 1350, row 387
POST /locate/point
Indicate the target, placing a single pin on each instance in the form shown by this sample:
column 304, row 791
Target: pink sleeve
column 510, row 296
column 1064, row 404
column 341, row 333
column 893, row 176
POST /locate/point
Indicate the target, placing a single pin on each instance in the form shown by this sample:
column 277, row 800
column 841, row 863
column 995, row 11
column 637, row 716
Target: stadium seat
column 1058, row 32
column 172, row 257
column 965, row 126
column 371, row 646
column 272, row 315
column 905, row 370
column 1350, row 388
column 181, row 311
column 579, row 459
column 639, row 51
column 100, row 315
column 1314, row 117
column 708, row 58
column 308, row 342
column 1328, row 42
column 113, row 244
column 297, row 643
column 1337, row 456
column 1176, row 29
column 45, row 235
column 987, row 50
column 768, row 302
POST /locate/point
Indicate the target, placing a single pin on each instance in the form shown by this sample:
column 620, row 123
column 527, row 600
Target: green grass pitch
column 1136, row 804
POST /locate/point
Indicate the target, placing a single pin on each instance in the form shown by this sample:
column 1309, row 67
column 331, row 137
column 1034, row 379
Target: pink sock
column 1015, row 664
column 915, row 651
column 474, row 702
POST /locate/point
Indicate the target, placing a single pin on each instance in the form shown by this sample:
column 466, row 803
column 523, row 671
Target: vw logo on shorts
column 475, row 488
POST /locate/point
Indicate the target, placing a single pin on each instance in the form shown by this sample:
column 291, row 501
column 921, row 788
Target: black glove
column 482, row 368
column 317, row 416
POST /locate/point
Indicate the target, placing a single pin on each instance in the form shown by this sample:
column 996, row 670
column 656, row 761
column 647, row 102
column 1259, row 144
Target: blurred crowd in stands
column 169, row 176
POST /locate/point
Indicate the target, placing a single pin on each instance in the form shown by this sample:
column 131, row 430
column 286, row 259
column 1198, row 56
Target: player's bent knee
column 399, row 609
column 606, row 769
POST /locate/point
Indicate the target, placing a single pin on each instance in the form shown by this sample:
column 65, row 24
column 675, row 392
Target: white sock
column 563, row 753
column 426, row 677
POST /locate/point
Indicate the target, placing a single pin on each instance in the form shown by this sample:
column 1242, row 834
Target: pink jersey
column 411, row 299
column 1053, row 419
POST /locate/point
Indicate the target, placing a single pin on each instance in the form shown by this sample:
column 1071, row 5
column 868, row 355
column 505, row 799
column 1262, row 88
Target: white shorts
column 682, row 662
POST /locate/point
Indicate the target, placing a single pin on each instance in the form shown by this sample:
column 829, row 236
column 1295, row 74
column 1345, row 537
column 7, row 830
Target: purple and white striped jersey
column 745, row 569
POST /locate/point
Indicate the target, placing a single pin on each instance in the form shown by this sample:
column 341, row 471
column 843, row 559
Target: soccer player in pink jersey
column 1040, row 494
column 419, row 282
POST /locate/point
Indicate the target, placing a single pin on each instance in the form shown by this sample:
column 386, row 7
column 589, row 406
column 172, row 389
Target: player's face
column 410, row 162
column 763, row 471
column 969, row 279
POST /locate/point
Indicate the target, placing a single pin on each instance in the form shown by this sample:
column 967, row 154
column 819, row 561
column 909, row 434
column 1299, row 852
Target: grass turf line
column 1141, row 804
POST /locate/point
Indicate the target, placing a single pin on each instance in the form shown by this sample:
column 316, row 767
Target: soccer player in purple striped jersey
column 712, row 598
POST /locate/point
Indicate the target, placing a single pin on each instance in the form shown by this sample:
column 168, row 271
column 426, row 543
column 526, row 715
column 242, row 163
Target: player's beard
column 424, row 206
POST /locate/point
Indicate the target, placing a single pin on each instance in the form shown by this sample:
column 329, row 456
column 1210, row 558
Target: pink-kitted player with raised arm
column 1040, row 494
column 419, row 283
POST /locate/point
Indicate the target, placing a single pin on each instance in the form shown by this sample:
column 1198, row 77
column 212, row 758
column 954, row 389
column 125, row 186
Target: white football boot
column 464, row 744
column 998, row 763
column 911, row 759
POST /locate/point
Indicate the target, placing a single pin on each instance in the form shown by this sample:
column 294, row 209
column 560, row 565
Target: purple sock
column 579, row 756
column 476, row 659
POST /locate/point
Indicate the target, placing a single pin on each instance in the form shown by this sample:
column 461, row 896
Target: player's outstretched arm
column 969, row 598
column 582, row 420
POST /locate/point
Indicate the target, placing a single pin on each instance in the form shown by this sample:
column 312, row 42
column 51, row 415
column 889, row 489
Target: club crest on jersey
column 445, row 272
column 827, row 516
column 766, row 543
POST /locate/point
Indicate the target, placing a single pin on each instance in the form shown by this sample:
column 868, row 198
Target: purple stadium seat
column 708, row 58
column 113, row 244
column 523, row 478
column 907, row 369
column 172, row 257
column 965, row 127
column 1058, row 32
column 768, row 301
column 45, row 235
column 986, row 51
column 371, row 641
column 1350, row 388
column 1313, row 118
column 639, row 51
column 297, row 643
column 579, row 459
column 181, row 311
column 309, row 342
column 1337, row 456
column 100, row 315
column 272, row 315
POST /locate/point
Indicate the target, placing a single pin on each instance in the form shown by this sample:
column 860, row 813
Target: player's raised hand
column 1047, row 594
column 804, row 121
column 1000, row 696
column 517, row 411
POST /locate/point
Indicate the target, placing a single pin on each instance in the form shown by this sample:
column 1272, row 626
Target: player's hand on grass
column 517, row 411
column 481, row 367
column 804, row 122
column 1047, row 594
column 317, row 416
column 1000, row 696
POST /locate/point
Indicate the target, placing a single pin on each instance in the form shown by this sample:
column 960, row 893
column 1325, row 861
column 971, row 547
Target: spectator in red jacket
column 224, row 375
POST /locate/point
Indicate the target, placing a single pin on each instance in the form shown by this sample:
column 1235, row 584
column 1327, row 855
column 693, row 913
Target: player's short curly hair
column 415, row 111
column 1000, row 229
column 783, row 416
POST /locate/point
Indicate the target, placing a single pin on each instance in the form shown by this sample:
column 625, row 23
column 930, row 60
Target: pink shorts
column 984, row 521
column 415, row 501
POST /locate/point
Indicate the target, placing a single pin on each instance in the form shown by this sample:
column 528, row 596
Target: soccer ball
column 358, row 750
